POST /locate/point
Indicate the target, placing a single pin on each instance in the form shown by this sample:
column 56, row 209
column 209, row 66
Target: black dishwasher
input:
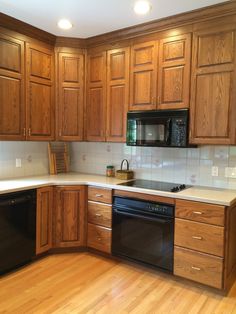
column 17, row 229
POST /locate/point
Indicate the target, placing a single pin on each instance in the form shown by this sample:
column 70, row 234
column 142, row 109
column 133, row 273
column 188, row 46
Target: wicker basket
column 124, row 174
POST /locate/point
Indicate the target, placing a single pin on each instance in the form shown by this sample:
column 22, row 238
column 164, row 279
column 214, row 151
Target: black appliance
column 143, row 231
column 17, row 229
column 162, row 128
column 156, row 185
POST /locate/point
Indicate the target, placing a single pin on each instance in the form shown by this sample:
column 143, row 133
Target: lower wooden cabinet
column 69, row 216
column 99, row 238
column 202, row 268
column 44, row 219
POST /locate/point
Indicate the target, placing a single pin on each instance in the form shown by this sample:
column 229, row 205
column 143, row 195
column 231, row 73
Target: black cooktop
column 156, row 185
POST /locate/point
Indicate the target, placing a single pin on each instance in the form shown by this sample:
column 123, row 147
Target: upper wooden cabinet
column 39, row 92
column 160, row 74
column 44, row 219
column 117, row 94
column 96, row 98
column 70, row 96
column 143, row 80
column 69, row 230
column 174, row 72
column 12, row 93
column 213, row 109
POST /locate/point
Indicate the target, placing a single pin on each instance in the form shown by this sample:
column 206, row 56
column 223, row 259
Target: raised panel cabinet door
column 174, row 72
column 12, row 86
column 96, row 98
column 117, row 94
column 143, row 80
column 40, row 92
column 69, row 225
column 70, row 96
column 44, row 219
column 213, row 94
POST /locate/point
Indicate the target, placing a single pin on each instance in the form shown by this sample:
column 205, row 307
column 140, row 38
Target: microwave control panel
column 179, row 132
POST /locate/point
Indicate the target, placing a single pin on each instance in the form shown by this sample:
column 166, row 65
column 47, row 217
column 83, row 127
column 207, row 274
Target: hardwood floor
column 87, row 283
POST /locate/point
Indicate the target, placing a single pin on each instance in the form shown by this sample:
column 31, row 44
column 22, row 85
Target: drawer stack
column 199, row 242
column 99, row 218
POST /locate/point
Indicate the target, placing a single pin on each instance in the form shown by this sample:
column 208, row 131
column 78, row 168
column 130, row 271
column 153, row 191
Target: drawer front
column 99, row 214
column 100, row 195
column 199, row 267
column 201, row 212
column 99, row 238
column 199, row 236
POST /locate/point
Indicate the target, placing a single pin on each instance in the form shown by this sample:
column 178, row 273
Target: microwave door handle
column 168, row 133
column 146, row 217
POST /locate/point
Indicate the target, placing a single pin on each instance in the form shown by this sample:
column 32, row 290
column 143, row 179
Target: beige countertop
column 196, row 193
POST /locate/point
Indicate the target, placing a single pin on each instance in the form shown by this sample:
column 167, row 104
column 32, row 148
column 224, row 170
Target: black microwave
column 160, row 128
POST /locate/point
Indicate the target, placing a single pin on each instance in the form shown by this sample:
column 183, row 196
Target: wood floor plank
column 86, row 283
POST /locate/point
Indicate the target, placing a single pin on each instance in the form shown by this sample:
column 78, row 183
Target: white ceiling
column 93, row 17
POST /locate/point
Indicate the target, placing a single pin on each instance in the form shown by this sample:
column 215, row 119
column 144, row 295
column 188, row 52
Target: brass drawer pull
column 198, row 213
column 196, row 268
column 99, row 239
column 99, row 195
column 197, row 238
column 98, row 215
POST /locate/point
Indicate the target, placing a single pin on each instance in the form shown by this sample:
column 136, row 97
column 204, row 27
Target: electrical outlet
column 18, row 163
column 230, row 172
column 214, row 171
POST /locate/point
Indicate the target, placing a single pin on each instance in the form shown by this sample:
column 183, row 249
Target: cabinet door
column 174, row 72
column 44, row 219
column 96, row 98
column 12, row 96
column 143, row 80
column 213, row 100
column 117, row 94
column 40, row 93
column 69, row 225
column 70, row 96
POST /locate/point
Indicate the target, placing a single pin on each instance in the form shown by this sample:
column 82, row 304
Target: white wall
column 34, row 158
column 191, row 166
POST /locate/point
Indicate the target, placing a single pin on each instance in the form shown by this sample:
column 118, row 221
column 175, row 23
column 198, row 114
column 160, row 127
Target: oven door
column 149, row 131
column 143, row 237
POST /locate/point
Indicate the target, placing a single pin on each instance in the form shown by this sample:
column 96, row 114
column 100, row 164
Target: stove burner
column 156, row 185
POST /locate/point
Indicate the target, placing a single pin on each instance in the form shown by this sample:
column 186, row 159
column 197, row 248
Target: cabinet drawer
column 100, row 195
column 199, row 236
column 199, row 267
column 99, row 238
column 99, row 214
column 202, row 212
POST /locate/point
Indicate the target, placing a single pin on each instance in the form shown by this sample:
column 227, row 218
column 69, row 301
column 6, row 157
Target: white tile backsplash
column 33, row 155
column 191, row 166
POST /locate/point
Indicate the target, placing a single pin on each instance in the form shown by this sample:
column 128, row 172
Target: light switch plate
column 214, row 171
column 18, row 163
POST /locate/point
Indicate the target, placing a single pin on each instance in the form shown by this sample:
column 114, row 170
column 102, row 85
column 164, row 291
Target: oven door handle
column 147, row 217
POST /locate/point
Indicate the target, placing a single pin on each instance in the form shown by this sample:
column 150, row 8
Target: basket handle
column 127, row 163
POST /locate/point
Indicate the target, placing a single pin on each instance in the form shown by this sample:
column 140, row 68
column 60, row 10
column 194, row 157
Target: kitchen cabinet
column 96, row 98
column 160, row 74
column 174, row 72
column 39, row 92
column 143, row 80
column 69, row 217
column 44, row 219
column 213, row 97
column 12, row 88
column 99, row 219
column 70, row 71
column 117, row 94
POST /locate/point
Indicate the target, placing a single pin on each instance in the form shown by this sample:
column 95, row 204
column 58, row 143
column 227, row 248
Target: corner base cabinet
column 69, row 216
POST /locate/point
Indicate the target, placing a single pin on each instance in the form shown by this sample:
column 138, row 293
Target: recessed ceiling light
column 64, row 24
column 142, row 7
